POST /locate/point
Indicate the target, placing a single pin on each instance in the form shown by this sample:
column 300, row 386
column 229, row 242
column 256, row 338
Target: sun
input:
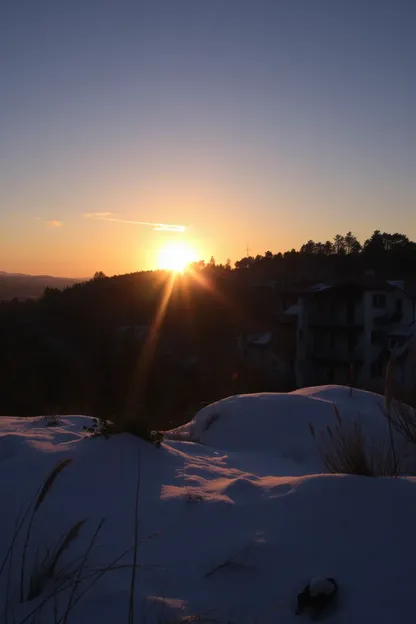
column 176, row 256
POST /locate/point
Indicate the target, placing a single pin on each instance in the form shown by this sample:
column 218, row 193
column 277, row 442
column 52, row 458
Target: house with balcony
column 346, row 332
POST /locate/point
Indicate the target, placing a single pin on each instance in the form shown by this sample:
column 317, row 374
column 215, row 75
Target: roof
column 361, row 284
column 396, row 284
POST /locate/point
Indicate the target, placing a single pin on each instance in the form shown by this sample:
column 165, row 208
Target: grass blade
column 44, row 491
column 136, row 537
column 80, row 571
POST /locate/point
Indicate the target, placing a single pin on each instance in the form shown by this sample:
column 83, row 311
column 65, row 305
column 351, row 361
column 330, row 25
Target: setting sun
column 176, row 256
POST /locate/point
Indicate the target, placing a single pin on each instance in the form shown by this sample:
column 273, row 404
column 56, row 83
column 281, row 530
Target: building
column 346, row 332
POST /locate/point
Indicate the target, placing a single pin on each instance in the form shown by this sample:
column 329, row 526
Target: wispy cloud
column 97, row 215
column 158, row 227
column 54, row 223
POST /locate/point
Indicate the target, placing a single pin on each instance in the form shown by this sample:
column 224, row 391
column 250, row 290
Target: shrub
column 105, row 428
column 52, row 420
column 100, row 428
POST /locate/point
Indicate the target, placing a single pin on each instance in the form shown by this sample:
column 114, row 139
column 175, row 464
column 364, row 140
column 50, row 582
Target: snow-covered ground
column 236, row 515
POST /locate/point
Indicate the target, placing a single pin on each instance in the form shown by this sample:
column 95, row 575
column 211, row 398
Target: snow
column 321, row 586
column 236, row 514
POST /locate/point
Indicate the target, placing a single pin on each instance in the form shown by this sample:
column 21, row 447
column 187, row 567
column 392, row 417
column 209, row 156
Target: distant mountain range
column 20, row 286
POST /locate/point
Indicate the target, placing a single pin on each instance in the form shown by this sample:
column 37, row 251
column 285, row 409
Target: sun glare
column 176, row 256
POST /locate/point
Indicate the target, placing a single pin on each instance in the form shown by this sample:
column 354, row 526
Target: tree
column 320, row 249
column 339, row 244
column 50, row 294
column 99, row 275
column 228, row 264
column 244, row 263
column 375, row 244
column 328, row 248
column 395, row 241
column 308, row 248
column 197, row 266
column 351, row 243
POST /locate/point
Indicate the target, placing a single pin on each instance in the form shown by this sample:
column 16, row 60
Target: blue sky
column 261, row 122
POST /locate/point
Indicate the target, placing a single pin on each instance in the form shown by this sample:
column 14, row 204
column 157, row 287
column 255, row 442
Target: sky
column 259, row 123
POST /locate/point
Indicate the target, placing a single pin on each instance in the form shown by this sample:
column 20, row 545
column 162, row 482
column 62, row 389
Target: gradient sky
column 259, row 122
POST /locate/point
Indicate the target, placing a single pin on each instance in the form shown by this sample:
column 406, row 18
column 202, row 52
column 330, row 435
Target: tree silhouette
column 351, row 243
column 339, row 244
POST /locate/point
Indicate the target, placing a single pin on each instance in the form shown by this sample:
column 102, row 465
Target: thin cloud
column 163, row 227
column 54, row 223
column 97, row 215
column 158, row 227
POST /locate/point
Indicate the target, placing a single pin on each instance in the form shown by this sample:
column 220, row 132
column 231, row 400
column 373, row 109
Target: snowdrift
column 232, row 526
column 278, row 425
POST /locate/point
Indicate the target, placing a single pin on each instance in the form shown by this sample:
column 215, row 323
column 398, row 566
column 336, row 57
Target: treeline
column 152, row 346
column 389, row 255
column 140, row 344
column 381, row 252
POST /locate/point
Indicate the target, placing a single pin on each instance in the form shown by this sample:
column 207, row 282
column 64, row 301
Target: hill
column 231, row 527
column 21, row 286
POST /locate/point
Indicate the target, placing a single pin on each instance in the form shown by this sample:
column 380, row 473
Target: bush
column 105, row 428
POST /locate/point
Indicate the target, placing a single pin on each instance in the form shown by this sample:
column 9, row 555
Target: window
column 352, row 342
column 377, row 337
column 379, row 301
column 377, row 369
column 350, row 313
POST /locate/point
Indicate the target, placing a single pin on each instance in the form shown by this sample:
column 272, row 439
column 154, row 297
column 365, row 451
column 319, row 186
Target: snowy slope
column 232, row 527
column 275, row 427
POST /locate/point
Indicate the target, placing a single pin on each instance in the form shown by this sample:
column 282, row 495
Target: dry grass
column 44, row 572
column 49, row 481
column 403, row 419
column 41, row 497
column 345, row 450
column 136, row 542
column 80, row 572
